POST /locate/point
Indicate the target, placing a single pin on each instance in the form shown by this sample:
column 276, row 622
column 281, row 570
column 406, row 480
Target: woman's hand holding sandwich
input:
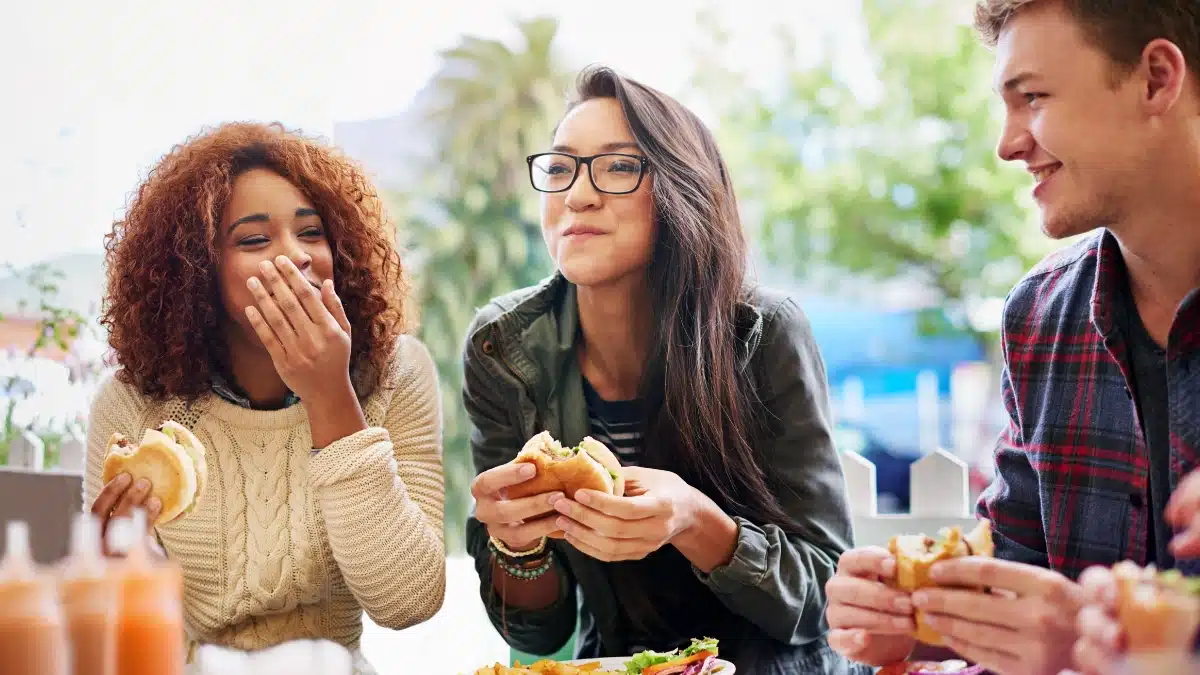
column 869, row 621
column 1100, row 636
column 519, row 523
column 658, row 508
column 120, row 496
column 1026, row 624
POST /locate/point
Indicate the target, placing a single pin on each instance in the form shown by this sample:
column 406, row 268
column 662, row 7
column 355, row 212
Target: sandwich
column 1159, row 610
column 698, row 658
column 916, row 553
column 587, row 466
column 171, row 458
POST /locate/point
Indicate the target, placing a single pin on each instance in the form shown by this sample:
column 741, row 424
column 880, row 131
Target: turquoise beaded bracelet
column 526, row 574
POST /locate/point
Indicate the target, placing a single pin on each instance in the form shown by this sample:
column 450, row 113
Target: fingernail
column 554, row 497
column 860, row 638
column 123, row 479
column 252, row 282
column 920, row 599
column 153, row 504
column 903, row 605
column 526, row 471
column 583, row 497
column 281, row 260
column 888, row 567
column 563, row 506
column 562, row 524
column 143, row 484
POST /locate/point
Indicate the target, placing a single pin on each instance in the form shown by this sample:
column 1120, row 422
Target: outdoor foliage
column 886, row 177
column 472, row 229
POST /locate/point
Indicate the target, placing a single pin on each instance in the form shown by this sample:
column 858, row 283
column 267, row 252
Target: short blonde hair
column 1119, row 29
column 992, row 15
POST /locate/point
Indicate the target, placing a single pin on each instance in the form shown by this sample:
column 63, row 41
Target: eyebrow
column 1017, row 80
column 607, row 147
column 302, row 212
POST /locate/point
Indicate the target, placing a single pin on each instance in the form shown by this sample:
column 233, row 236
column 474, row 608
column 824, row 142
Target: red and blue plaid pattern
column 1071, row 488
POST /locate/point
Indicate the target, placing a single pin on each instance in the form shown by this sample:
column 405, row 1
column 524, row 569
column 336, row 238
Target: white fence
column 940, row 496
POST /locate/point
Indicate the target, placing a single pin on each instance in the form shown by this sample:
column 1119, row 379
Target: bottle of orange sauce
column 32, row 635
column 149, row 625
column 88, row 589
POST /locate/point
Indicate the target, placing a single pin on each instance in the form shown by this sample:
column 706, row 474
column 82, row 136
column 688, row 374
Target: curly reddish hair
column 163, row 309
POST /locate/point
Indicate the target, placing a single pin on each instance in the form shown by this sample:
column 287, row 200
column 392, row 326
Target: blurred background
column 860, row 137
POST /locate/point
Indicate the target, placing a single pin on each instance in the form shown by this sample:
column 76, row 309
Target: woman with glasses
column 708, row 388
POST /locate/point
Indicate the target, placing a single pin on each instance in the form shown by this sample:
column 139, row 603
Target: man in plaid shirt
column 1101, row 343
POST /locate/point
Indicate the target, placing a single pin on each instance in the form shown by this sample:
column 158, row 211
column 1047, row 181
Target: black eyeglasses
column 612, row 173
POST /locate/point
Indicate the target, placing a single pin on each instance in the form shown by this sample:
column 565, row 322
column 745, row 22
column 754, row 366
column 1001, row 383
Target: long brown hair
column 703, row 413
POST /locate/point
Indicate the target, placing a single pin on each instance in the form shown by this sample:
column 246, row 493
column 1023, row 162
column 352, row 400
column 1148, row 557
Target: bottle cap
column 16, row 542
column 120, row 536
column 85, row 536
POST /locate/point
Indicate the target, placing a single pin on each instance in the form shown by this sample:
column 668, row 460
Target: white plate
column 614, row 663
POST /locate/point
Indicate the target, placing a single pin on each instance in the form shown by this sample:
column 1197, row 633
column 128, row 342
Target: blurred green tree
column 882, row 175
column 472, row 228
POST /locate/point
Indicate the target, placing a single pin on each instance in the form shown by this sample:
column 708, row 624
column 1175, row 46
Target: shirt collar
column 230, row 392
column 1110, row 289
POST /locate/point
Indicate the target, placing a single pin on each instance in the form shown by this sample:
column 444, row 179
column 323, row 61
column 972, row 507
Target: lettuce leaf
column 643, row 660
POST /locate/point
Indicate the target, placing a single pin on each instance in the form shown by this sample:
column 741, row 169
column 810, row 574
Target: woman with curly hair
column 255, row 296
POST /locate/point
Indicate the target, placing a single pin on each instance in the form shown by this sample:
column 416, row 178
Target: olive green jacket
column 521, row 376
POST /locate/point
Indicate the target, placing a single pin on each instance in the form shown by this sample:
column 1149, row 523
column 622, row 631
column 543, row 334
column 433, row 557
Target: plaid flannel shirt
column 1071, row 487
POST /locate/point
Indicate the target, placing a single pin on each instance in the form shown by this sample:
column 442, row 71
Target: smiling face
column 1079, row 130
column 267, row 216
column 597, row 238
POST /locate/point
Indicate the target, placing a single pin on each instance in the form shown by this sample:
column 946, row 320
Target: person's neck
column 254, row 373
column 1161, row 247
column 615, row 328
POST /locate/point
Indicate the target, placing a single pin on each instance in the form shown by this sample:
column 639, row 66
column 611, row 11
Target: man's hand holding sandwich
column 1008, row 617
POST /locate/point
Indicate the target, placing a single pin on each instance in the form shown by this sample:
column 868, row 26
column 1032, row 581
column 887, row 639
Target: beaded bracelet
column 526, row 573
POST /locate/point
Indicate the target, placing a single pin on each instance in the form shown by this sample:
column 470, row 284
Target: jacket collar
column 536, row 337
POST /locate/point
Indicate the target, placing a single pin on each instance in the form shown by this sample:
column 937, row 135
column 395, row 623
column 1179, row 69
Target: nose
column 1016, row 142
column 295, row 251
column 583, row 195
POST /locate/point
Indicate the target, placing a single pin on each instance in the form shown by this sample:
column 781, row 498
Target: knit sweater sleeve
column 381, row 493
column 117, row 407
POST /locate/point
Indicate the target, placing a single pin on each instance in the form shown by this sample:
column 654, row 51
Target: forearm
column 775, row 581
column 335, row 415
column 543, row 630
column 711, row 539
column 388, row 548
column 532, row 594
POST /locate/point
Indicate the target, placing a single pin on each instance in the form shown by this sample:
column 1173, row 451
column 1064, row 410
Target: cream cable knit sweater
column 284, row 544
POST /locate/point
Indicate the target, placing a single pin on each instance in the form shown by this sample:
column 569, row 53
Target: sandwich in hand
column 170, row 458
column 916, row 553
column 1159, row 610
column 587, row 466
column 697, row 659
